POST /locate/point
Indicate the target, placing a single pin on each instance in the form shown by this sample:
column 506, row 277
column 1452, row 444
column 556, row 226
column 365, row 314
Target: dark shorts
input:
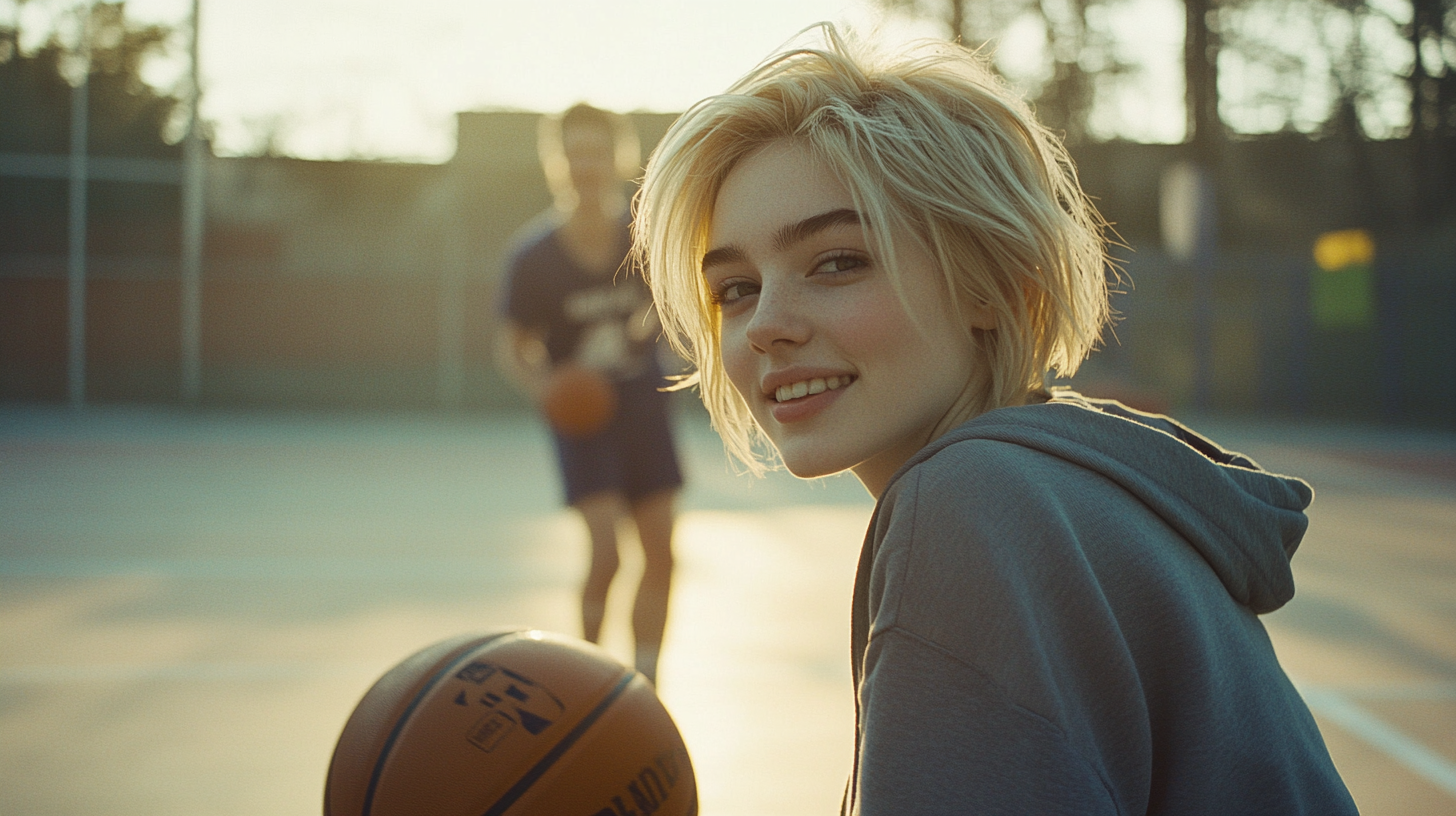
column 634, row 456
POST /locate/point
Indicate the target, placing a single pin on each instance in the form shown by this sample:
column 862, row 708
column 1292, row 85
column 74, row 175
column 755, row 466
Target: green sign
column 1342, row 284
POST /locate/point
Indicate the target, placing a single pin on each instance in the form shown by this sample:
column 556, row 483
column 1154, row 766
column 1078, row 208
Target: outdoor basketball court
column 191, row 603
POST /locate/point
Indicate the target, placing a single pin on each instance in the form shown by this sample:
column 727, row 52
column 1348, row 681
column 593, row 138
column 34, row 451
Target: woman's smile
column 809, row 388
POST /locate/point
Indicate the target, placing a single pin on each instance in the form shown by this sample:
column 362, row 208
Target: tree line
column 1357, row 70
column 1382, row 68
column 128, row 116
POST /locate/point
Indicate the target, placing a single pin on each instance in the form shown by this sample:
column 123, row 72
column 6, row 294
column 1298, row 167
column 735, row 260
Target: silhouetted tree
column 1064, row 89
column 128, row 117
column 1200, row 81
column 1323, row 67
column 1432, row 35
column 1433, row 76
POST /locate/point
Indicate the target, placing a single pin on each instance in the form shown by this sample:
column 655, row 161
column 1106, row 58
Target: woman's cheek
column 738, row 362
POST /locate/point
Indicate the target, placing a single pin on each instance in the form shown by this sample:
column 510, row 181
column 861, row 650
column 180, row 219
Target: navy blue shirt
column 596, row 318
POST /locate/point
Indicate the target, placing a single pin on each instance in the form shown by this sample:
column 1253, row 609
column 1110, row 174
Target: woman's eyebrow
column 787, row 235
column 794, row 233
column 722, row 255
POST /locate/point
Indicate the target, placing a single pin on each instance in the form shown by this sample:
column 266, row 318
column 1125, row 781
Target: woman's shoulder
column 970, row 471
column 972, row 508
column 973, row 533
column 977, row 493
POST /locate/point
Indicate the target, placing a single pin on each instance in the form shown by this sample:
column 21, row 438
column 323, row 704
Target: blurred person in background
column 570, row 298
column 874, row 261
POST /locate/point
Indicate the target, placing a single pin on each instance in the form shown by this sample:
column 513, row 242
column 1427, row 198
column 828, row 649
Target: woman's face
column 831, row 362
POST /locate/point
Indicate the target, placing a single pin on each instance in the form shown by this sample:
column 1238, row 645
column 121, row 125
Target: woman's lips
column 799, row 408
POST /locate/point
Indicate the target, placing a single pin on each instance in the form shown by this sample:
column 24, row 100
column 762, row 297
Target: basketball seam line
column 404, row 716
column 530, row 778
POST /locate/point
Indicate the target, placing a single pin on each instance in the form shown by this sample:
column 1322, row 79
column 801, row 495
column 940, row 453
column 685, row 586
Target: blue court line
column 1341, row 710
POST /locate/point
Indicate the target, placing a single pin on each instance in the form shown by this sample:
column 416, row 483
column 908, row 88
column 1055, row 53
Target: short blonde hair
column 930, row 145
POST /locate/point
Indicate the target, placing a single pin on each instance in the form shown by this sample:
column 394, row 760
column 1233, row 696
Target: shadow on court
column 191, row 603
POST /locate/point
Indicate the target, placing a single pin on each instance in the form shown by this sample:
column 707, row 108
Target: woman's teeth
column 804, row 388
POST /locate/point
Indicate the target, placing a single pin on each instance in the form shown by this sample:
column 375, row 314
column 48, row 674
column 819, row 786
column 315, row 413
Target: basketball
column 579, row 401
column 521, row 723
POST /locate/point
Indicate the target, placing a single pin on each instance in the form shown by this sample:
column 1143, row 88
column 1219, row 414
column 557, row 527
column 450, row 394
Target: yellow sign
column 1342, row 290
column 1334, row 251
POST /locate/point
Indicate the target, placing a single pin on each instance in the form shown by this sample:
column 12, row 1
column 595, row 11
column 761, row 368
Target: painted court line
column 1390, row 741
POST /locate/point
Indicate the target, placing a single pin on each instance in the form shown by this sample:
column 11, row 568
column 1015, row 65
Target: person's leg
column 653, row 515
column 600, row 512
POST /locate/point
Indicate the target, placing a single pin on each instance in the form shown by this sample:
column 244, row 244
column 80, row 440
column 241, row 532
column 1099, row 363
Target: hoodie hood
column 1243, row 520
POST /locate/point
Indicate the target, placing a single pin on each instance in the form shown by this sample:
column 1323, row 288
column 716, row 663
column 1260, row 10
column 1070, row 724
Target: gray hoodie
column 1056, row 613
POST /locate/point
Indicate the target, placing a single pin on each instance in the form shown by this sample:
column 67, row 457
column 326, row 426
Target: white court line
column 1426, row 763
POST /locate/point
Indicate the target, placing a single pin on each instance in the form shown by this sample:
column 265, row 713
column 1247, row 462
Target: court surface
column 191, row 603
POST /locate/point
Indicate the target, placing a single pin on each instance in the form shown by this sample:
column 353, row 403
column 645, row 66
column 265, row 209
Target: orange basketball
column 579, row 401
column 523, row 723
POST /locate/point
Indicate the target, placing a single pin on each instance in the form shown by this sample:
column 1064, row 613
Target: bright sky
column 383, row 78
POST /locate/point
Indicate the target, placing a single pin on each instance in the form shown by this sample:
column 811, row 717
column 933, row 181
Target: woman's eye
column 732, row 291
column 839, row 263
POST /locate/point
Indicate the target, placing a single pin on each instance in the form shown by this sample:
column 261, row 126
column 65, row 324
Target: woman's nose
column 778, row 320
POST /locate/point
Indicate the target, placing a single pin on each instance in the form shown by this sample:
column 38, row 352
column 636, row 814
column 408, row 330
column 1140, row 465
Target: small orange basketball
column 517, row 723
column 579, row 401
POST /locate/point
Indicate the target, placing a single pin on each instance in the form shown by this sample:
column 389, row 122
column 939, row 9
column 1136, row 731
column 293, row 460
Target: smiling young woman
column 874, row 262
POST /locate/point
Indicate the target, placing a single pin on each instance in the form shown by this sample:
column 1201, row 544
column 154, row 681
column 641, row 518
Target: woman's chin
column 809, row 467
